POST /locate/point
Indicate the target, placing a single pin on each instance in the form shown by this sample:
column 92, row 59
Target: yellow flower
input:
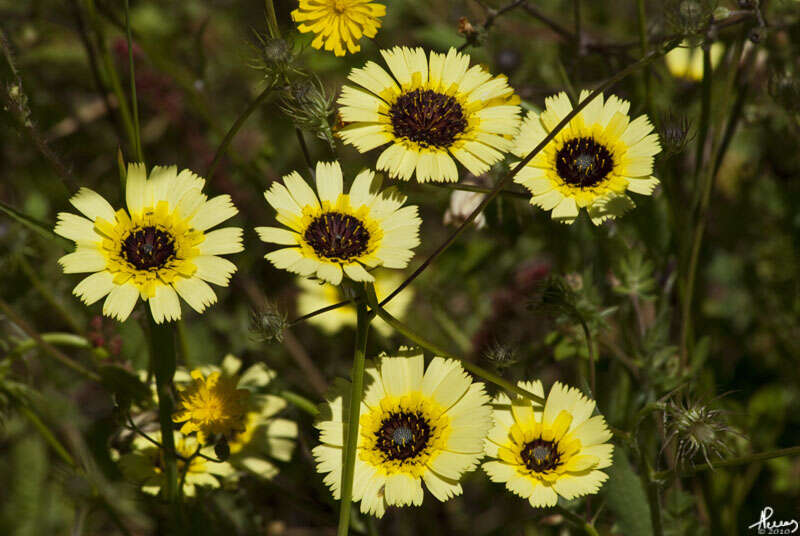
column 339, row 23
column 316, row 295
column 687, row 62
column 591, row 163
column 144, row 465
column 159, row 249
column 212, row 406
column 432, row 111
column 541, row 453
column 330, row 231
column 264, row 437
column 415, row 426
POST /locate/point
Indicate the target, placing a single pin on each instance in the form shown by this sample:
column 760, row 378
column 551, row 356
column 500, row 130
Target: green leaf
column 626, row 497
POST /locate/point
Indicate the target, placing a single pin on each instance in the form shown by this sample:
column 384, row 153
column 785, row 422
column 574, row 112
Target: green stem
column 46, row 293
column 272, row 20
column 422, row 341
column 645, row 45
column 577, row 520
column 57, row 354
column 43, row 229
column 650, row 484
column 223, row 147
column 501, row 184
column 162, row 341
column 69, row 340
column 303, row 147
column 351, row 435
column 137, row 131
column 742, row 460
column 705, row 110
column 592, row 358
column 300, row 402
column 49, row 437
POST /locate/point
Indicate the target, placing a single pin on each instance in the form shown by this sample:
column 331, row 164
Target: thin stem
column 70, row 340
column 162, row 340
column 733, row 462
column 501, row 184
column 422, row 341
column 320, row 311
column 49, row 437
column 491, row 18
column 223, row 148
column 47, row 347
column 303, row 147
column 651, row 487
column 272, row 20
column 351, row 433
column 43, row 229
column 137, row 131
column 592, row 358
column 300, row 402
column 577, row 520
column 705, row 110
column 645, row 45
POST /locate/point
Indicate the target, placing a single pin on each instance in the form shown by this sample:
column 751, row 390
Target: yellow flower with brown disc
column 160, row 248
column 430, row 111
column 592, row 162
column 541, row 453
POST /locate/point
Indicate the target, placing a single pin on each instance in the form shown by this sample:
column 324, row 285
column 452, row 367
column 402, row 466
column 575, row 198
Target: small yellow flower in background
column 687, row 61
column 262, row 436
column 144, row 465
column 416, row 426
column 212, row 406
column 159, row 249
column 316, row 295
column 339, row 23
column 592, row 162
column 541, row 453
column 432, row 111
column 330, row 231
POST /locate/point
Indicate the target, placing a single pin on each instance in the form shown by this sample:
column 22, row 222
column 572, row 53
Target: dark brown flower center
column 337, row 236
column 583, row 162
column 148, row 248
column 403, row 435
column 428, row 118
column 540, row 455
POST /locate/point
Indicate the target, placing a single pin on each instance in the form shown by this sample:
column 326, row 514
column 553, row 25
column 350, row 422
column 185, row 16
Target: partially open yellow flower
column 543, row 452
column 339, row 23
column 212, row 406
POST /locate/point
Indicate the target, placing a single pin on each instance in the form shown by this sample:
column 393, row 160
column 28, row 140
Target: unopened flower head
column 694, row 426
column 331, row 234
column 541, row 453
column 431, row 110
column 268, row 322
column 417, row 425
column 160, row 248
column 339, row 25
column 591, row 163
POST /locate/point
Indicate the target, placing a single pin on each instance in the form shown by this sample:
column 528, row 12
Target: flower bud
column 268, row 323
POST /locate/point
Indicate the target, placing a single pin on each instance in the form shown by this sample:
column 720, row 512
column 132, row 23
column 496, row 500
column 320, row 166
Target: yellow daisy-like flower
column 330, row 231
column 315, row 295
column 432, row 111
column 592, row 162
column 415, row 426
column 144, row 465
column 264, row 437
column 159, row 249
column 339, row 23
column 212, row 406
column 541, row 453
column 686, row 61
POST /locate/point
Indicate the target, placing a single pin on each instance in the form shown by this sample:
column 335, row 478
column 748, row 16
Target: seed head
column 268, row 323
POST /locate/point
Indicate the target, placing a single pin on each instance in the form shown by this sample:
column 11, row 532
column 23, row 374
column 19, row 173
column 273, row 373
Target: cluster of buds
column 310, row 108
column 268, row 323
